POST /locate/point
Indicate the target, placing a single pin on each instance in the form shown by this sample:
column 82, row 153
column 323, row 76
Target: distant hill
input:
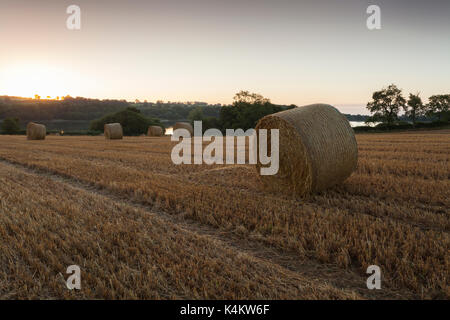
column 76, row 114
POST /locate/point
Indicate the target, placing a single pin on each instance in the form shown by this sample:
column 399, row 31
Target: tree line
column 388, row 102
column 80, row 108
column 68, row 109
column 245, row 111
column 17, row 111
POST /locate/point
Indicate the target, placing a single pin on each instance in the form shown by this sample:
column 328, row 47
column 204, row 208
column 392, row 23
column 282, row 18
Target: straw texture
column 113, row 131
column 155, row 131
column 317, row 149
column 36, row 131
column 184, row 125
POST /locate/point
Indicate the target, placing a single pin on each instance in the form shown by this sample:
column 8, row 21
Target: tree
column 133, row 109
column 246, row 110
column 244, row 97
column 211, row 123
column 386, row 104
column 10, row 126
column 196, row 115
column 439, row 105
column 373, row 119
column 133, row 123
column 414, row 108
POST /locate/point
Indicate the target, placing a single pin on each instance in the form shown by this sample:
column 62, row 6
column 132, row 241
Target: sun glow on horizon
column 30, row 80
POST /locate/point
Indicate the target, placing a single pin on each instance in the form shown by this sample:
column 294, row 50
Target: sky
column 293, row 52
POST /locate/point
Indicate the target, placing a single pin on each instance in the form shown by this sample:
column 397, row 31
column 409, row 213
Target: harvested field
column 141, row 227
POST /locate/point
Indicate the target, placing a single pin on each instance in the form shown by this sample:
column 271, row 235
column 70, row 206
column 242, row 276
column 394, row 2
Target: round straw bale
column 155, row 131
column 184, row 125
column 36, row 131
column 317, row 149
column 113, row 131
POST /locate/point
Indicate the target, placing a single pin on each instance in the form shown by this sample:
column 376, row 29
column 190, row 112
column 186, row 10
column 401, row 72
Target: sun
column 28, row 80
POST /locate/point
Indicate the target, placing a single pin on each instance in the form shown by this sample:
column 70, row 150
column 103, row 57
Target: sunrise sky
column 297, row 52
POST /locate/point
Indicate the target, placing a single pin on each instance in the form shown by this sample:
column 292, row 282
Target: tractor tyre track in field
column 348, row 280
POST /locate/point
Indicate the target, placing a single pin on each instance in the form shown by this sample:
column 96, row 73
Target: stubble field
column 141, row 227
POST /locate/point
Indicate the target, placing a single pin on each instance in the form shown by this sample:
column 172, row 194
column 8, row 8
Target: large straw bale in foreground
column 184, row 125
column 113, row 131
column 36, row 131
column 155, row 131
column 317, row 149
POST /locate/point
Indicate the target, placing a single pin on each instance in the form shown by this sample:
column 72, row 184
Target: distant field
column 142, row 227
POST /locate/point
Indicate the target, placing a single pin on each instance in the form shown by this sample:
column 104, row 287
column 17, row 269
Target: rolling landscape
column 136, row 220
column 224, row 158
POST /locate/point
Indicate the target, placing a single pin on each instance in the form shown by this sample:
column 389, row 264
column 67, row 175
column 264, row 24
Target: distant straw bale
column 36, row 131
column 317, row 149
column 155, row 131
column 113, row 131
column 184, row 125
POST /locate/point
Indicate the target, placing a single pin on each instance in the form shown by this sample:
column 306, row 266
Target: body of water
column 362, row 123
